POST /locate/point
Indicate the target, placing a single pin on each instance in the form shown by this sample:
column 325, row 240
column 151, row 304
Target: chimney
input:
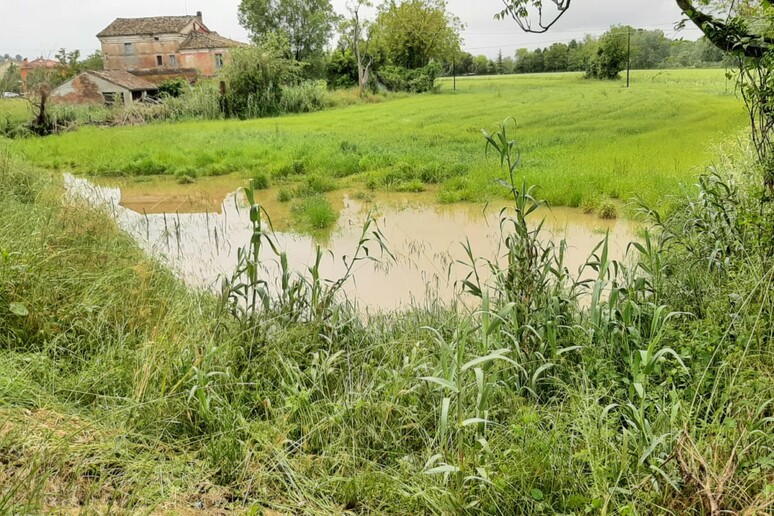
column 200, row 17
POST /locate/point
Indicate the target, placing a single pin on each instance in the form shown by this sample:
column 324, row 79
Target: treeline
column 650, row 49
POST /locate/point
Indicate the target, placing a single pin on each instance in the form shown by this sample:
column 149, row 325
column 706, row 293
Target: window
column 155, row 38
column 128, row 49
column 173, row 61
column 218, row 61
column 113, row 98
column 160, row 60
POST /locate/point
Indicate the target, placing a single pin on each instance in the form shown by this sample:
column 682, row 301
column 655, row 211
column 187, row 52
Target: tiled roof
column 40, row 63
column 125, row 80
column 205, row 40
column 139, row 26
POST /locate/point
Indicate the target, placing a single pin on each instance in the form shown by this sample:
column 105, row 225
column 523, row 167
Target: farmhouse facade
column 110, row 87
column 164, row 46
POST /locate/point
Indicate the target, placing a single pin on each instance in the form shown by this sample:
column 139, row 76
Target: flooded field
column 197, row 229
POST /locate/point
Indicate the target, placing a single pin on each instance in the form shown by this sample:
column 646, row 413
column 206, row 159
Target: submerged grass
column 582, row 139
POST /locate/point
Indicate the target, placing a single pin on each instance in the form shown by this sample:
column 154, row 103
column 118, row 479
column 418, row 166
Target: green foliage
column 10, row 81
column 255, row 78
column 586, row 153
column 306, row 97
column 413, row 33
column 632, row 387
column 307, row 25
column 420, row 80
column 259, row 181
column 315, row 212
column 174, row 87
column 611, row 56
column 341, row 69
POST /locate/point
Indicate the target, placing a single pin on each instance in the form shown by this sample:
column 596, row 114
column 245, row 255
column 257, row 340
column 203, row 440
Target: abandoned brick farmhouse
column 140, row 53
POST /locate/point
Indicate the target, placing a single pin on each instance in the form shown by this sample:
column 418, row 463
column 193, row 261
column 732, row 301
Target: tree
column 555, row 58
column 255, row 78
column 356, row 33
column 481, row 65
column 94, row 61
column 11, row 79
column 307, row 24
column 650, row 48
column 611, row 54
column 412, row 33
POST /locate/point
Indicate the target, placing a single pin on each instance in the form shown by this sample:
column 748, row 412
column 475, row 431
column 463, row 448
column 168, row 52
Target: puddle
column 197, row 229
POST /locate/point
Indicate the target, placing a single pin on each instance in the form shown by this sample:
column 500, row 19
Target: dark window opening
column 218, row 61
column 156, row 38
column 160, row 60
column 112, row 98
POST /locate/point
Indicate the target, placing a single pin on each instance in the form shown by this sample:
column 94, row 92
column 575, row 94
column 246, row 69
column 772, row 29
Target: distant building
column 109, row 87
column 165, row 46
column 40, row 63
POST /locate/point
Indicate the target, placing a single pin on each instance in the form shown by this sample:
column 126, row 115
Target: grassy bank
column 583, row 141
column 123, row 391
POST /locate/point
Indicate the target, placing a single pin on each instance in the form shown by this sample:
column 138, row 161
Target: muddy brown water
column 197, row 229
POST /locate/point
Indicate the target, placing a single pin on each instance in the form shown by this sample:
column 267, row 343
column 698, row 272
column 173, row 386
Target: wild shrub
column 255, row 79
column 305, row 97
column 420, row 80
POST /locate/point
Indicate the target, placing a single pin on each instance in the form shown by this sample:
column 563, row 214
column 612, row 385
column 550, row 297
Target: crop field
column 581, row 140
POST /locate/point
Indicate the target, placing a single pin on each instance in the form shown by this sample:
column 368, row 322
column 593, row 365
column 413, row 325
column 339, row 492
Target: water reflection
column 197, row 231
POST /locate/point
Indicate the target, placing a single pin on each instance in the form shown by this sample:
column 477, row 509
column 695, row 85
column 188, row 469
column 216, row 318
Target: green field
column 581, row 139
column 645, row 390
column 14, row 111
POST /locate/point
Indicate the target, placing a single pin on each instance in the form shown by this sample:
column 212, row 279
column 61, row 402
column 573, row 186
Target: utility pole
column 628, row 56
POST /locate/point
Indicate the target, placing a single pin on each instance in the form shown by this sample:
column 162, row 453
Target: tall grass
column 645, row 389
column 583, row 140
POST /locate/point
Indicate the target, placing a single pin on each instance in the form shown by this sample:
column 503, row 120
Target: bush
column 341, row 70
column 306, row 97
column 173, row 87
column 202, row 102
column 420, row 80
column 255, row 79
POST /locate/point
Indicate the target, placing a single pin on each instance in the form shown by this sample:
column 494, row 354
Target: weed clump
column 259, row 181
column 315, row 212
column 284, row 195
column 608, row 211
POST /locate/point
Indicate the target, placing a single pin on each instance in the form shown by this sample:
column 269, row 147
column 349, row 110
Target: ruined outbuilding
column 164, row 46
column 109, row 87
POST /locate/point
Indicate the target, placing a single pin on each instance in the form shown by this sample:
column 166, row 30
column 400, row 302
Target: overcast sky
column 35, row 28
